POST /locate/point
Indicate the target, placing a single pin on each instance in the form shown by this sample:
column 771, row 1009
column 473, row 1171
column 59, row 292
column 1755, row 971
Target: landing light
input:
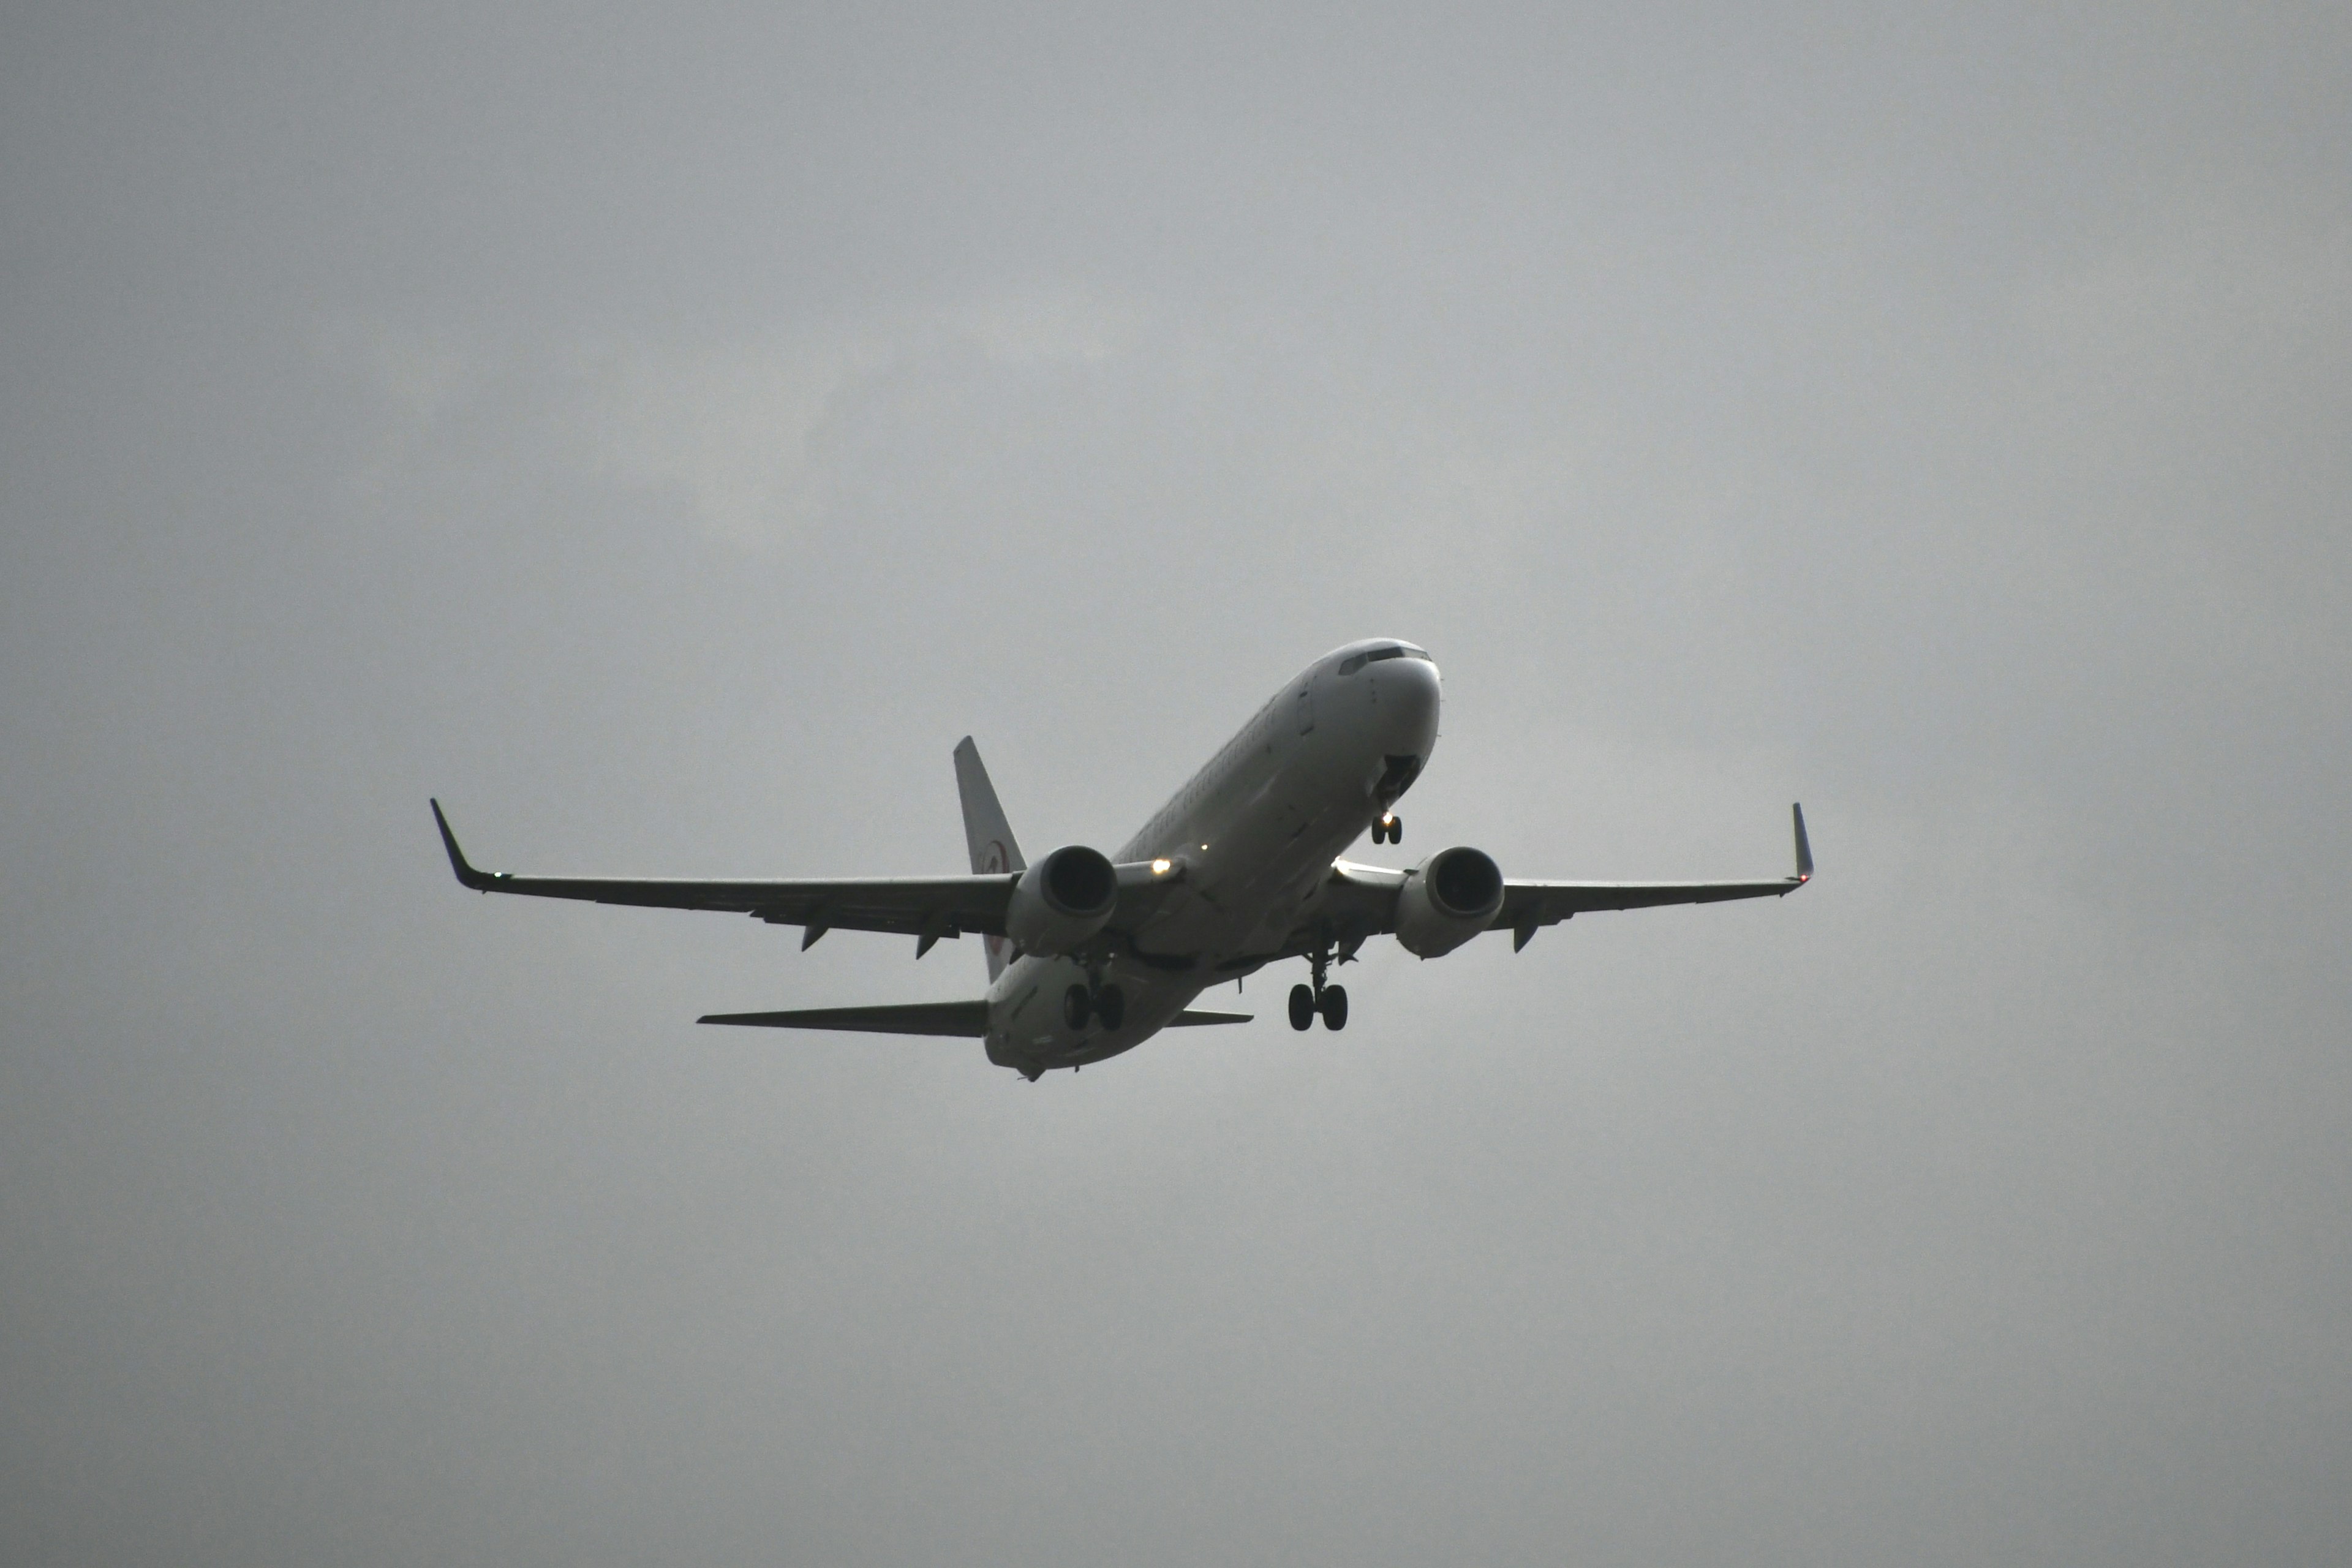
column 1159, row 868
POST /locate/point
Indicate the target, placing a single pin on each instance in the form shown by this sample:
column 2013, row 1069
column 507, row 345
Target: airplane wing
column 925, row 908
column 1360, row 900
column 1528, row 907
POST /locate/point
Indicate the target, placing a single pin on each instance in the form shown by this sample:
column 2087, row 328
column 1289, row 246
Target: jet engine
column 1447, row 901
column 1062, row 900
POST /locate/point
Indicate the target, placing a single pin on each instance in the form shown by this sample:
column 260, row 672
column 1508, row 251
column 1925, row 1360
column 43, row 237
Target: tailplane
column 990, row 837
column 967, row 1019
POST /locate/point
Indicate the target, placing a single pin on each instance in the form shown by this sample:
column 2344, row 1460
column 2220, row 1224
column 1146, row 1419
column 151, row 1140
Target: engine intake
column 1447, row 901
column 1062, row 900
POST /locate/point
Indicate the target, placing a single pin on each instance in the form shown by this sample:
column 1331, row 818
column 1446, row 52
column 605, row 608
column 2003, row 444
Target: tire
column 1302, row 1008
column 1075, row 1007
column 1335, row 1007
column 1396, row 829
column 1110, row 1006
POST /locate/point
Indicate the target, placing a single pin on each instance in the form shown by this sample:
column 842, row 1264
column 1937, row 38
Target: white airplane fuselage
column 1255, row 833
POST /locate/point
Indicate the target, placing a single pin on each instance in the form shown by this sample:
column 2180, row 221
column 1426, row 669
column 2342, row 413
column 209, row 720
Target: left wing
column 927, row 908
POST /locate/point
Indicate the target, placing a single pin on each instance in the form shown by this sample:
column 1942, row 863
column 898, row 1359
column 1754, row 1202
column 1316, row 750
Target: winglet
column 478, row 881
column 1804, row 847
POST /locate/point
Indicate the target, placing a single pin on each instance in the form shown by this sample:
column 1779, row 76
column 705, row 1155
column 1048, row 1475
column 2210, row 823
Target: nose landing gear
column 1389, row 830
column 1330, row 1000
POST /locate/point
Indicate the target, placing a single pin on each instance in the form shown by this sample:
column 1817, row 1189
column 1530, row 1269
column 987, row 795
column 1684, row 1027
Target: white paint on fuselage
column 1257, row 830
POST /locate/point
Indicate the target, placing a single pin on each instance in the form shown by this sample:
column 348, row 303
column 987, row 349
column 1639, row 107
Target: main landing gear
column 1331, row 1001
column 1107, row 1004
column 1389, row 830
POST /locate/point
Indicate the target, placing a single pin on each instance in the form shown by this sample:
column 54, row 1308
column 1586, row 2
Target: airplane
column 1091, row 954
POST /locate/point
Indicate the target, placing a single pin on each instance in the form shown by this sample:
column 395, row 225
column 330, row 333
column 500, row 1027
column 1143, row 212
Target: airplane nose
column 1410, row 698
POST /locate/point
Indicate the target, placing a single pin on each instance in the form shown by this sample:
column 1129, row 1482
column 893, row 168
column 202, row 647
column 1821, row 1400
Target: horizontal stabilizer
column 966, row 1020
column 1191, row 1016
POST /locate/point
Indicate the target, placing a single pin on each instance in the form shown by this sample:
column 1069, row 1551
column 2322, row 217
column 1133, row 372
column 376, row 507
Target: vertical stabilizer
column 990, row 837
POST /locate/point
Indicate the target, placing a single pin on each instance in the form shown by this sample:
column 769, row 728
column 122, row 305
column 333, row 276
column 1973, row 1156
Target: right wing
column 1530, row 906
column 1359, row 900
column 925, row 908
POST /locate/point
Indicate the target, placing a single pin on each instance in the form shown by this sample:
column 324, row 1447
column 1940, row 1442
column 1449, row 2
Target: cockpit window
column 1356, row 661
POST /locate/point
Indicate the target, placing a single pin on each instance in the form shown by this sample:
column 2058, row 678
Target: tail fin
column 990, row 837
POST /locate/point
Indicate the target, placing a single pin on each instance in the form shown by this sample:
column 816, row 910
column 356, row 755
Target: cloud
column 731, row 430
column 734, row 428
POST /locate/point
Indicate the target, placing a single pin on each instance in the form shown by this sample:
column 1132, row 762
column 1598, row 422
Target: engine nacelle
column 1449, row 898
column 1062, row 900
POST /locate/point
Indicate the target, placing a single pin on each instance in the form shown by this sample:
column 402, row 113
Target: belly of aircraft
column 1240, row 893
column 1027, row 1030
column 1255, row 855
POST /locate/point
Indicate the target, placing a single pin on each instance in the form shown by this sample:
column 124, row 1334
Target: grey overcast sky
column 662, row 432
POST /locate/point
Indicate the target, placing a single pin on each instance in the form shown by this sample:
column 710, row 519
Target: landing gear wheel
column 1396, row 829
column 1334, row 1006
column 1075, row 1007
column 1380, row 831
column 1302, row 1008
column 1110, row 1006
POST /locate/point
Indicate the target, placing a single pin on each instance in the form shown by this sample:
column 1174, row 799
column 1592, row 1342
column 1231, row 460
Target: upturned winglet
column 478, row 881
column 1804, row 847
